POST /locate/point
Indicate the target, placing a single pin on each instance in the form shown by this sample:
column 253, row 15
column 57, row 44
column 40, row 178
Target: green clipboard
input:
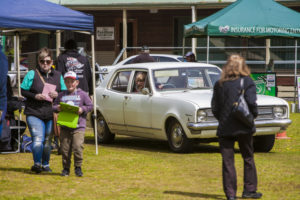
column 68, row 116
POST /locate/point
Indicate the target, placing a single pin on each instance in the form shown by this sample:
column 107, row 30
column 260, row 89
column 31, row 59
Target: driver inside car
column 140, row 80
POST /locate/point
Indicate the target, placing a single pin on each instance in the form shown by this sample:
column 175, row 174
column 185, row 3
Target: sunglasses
column 48, row 62
column 141, row 80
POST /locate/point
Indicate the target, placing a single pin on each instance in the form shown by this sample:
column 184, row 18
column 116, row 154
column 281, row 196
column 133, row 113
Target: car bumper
column 281, row 123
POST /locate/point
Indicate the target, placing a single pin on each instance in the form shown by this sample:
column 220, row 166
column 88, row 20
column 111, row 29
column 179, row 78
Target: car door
column 113, row 99
column 137, row 109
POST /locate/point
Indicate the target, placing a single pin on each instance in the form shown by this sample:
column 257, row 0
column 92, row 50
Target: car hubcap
column 101, row 127
column 176, row 136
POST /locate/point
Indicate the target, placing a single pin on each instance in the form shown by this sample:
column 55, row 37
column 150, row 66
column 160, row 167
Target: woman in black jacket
column 38, row 110
column 230, row 129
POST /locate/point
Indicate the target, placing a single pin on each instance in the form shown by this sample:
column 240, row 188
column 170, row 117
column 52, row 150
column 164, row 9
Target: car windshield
column 185, row 78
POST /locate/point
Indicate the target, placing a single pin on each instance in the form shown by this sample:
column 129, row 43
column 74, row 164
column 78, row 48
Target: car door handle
column 126, row 97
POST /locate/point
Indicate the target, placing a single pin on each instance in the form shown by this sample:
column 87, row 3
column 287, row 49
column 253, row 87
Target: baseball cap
column 71, row 74
column 189, row 54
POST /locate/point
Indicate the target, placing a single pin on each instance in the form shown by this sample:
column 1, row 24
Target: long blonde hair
column 234, row 68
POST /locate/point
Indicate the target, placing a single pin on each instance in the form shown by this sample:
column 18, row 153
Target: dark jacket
column 223, row 98
column 71, row 60
column 3, row 77
column 32, row 85
column 143, row 58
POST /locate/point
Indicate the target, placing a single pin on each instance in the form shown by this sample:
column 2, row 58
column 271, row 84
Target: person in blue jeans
column 38, row 110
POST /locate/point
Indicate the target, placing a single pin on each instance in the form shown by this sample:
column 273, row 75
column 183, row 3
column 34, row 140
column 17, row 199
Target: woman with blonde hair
column 226, row 92
column 38, row 110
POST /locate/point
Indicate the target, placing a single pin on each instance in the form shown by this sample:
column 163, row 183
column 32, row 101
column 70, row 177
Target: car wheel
column 177, row 139
column 104, row 134
column 263, row 143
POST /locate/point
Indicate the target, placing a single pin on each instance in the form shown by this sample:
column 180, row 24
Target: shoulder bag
column 240, row 109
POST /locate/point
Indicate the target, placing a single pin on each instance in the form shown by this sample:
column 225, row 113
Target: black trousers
column 228, row 169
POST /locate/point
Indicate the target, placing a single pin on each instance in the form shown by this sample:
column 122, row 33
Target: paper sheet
column 47, row 89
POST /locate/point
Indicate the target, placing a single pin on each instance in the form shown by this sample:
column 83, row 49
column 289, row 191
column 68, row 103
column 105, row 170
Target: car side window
column 140, row 81
column 120, row 81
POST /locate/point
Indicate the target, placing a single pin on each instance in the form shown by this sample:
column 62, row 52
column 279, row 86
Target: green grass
column 134, row 168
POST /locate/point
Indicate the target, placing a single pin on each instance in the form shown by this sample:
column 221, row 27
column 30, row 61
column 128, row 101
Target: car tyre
column 104, row 134
column 177, row 139
column 263, row 143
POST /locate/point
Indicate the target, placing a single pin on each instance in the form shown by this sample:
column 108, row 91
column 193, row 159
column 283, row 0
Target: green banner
column 2, row 42
column 265, row 83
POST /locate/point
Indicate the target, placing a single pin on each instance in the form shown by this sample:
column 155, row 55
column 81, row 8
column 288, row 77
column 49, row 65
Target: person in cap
column 38, row 109
column 71, row 60
column 190, row 57
column 73, row 138
column 144, row 57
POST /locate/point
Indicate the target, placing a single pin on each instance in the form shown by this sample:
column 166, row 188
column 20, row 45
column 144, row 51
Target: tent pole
column 207, row 49
column 17, row 63
column 94, row 93
column 295, row 75
column 268, row 44
column 19, row 84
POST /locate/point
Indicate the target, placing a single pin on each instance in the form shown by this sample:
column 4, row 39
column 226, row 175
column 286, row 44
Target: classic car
column 174, row 105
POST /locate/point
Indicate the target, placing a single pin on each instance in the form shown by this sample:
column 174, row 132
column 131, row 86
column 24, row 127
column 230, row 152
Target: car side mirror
column 145, row 91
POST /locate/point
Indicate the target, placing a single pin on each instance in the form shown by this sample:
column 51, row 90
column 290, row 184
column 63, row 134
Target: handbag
column 240, row 109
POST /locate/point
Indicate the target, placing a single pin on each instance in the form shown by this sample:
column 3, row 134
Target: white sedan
column 174, row 105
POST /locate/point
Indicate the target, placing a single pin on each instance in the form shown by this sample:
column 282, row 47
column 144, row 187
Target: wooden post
column 125, row 32
column 194, row 40
column 58, row 42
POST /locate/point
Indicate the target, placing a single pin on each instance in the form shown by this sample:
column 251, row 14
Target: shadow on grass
column 196, row 195
column 28, row 171
column 151, row 145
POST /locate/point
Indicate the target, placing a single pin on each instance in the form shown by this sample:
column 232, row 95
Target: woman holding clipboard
column 40, row 86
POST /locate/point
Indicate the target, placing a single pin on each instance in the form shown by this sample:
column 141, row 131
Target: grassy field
column 133, row 168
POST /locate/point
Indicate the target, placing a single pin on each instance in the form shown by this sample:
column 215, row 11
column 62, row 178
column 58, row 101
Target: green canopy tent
column 249, row 18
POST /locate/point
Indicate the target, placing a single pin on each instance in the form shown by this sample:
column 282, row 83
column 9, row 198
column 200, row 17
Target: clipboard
column 68, row 116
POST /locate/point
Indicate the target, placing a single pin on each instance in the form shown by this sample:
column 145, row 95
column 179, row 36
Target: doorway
column 131, row 36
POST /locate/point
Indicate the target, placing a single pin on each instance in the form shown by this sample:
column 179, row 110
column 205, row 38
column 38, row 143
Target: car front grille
column 264, row 113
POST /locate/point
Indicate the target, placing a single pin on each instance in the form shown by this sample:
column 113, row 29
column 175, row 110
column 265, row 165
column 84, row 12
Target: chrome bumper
column 282, row 123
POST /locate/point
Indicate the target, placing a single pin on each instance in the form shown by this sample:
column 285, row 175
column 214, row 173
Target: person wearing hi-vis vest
column 40, row 86
column 72, row 136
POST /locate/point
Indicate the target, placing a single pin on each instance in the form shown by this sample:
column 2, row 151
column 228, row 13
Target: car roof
column 163, row 65
column 176, row 57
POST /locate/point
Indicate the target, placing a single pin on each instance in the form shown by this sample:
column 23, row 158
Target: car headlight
column 279, row 112
column 201, row 115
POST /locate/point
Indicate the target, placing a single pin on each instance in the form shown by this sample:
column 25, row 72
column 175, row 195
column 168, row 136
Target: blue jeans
column 41, row 133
